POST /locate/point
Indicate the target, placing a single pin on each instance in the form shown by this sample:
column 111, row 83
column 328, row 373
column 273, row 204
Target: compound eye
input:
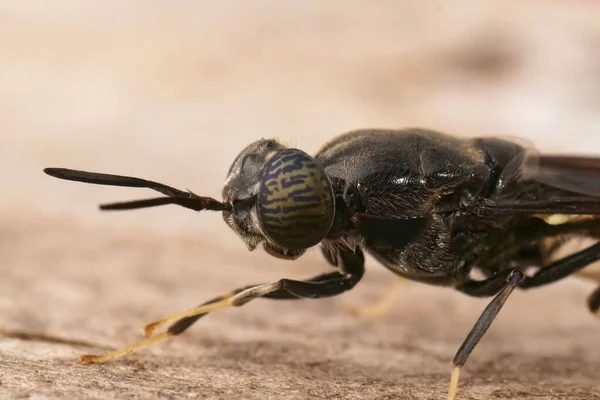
column 295, row 203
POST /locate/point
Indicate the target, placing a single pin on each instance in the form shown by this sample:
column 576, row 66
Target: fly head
column 281, row 199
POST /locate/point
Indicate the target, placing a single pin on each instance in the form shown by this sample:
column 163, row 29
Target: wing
column 569, row 185
column 575, row 174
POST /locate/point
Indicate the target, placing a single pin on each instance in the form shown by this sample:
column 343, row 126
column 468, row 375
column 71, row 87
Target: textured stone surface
column 172, row 94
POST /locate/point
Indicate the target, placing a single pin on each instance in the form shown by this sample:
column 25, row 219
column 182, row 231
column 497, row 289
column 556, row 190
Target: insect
column 429, row 206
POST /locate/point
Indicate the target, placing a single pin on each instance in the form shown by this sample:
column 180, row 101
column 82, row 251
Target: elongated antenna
column 195, row 203
column 175, row 196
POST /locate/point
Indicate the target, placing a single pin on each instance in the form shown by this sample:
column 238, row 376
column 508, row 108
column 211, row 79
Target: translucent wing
column 577, row 174
column 569, row 185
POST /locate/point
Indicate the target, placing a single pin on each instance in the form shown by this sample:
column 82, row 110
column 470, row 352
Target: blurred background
column 172, row 91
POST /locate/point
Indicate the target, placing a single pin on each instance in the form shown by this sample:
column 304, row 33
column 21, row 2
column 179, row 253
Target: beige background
column 172, row 91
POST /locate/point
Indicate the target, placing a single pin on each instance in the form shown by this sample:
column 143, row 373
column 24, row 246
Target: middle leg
column 381, row 306
column 509, row 280
column 504, row 283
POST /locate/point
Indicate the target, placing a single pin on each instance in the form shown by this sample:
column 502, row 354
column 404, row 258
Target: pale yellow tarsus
column 149, row 329
column 137, row 346
column 379, row 308
column 453, row 383
column 228, row 301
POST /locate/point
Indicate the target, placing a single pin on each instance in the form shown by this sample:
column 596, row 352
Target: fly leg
column 373, row 311
column 594, row 299
column 594, row 302
column 503, row 283
column 564, row 267
column 326, row 285
column 381, row 307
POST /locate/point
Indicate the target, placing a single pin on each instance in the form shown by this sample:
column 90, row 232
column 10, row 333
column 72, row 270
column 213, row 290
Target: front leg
column 351, row 265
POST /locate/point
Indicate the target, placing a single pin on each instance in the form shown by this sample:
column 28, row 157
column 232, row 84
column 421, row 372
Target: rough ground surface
column 172, row 94
column 103, row 286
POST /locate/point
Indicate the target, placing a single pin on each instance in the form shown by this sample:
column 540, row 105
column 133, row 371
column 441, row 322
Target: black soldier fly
column 430, row 207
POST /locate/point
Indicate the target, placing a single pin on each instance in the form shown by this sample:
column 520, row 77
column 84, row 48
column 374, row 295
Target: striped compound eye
column 295, row 200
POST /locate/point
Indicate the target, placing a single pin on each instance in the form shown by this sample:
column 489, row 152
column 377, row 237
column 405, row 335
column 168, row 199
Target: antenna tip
column 56, row 172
